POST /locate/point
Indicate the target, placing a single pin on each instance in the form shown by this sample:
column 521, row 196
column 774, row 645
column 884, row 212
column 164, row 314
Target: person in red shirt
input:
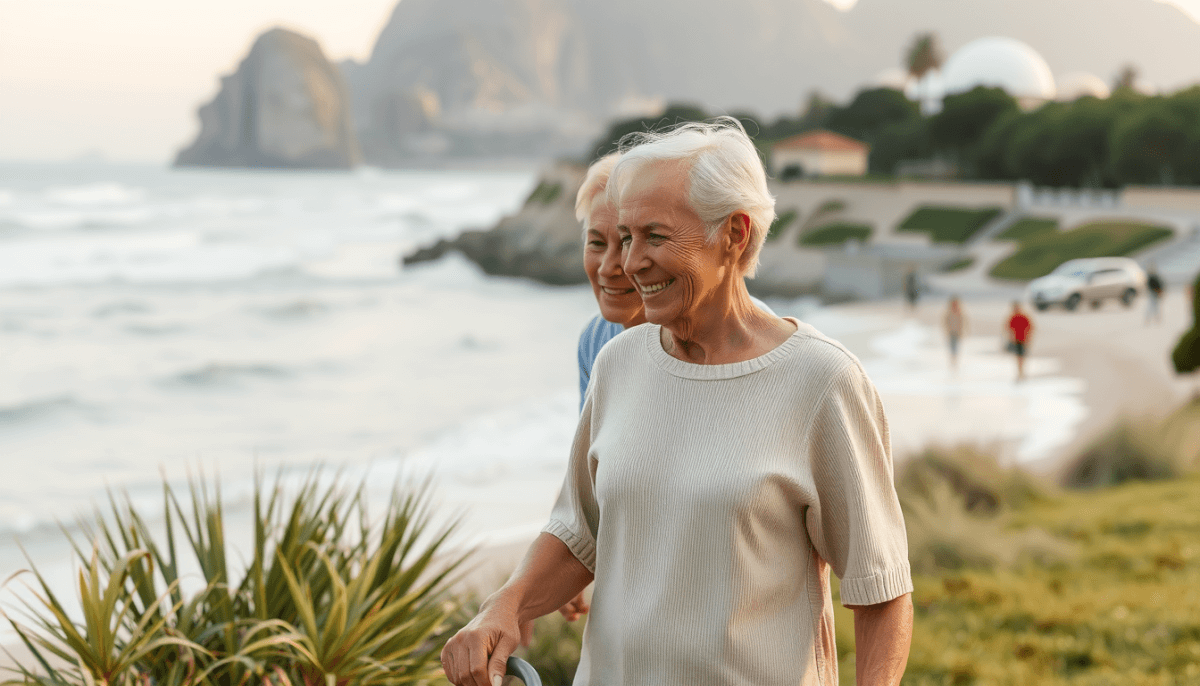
column 1020, row 329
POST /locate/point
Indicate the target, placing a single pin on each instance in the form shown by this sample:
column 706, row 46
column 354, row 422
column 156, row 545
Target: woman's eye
column 656, row 238
column 597, row 244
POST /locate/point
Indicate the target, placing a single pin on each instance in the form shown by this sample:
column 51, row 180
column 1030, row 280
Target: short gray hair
column 726, row 174
column 594, row 183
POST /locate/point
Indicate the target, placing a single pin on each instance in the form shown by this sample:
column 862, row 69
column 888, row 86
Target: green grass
column 1028, row 227
column 782, row 221
column 1120, row 609
column 835, row 234
column 948, row 224
column 1041, row 254
column 829, row 207
column 959, row 264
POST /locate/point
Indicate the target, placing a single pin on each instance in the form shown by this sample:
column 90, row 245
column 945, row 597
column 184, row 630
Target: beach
column 157, row 324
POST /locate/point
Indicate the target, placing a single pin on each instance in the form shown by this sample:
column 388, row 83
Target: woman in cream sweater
column 726, row 461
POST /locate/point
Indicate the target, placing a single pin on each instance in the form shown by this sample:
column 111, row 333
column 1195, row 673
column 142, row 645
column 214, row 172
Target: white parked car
column 1091, row 280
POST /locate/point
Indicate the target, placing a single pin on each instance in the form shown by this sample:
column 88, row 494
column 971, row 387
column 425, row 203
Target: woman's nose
column 634, row 257
column 611, row 263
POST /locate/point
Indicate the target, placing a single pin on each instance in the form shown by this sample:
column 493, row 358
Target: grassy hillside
column 1041, row 252
column 948, row 224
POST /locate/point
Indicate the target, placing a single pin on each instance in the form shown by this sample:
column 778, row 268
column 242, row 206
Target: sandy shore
column 1124, row 363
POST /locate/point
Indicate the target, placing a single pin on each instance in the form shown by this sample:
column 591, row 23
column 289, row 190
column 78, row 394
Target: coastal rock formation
column 542, row 241
column 285, row 106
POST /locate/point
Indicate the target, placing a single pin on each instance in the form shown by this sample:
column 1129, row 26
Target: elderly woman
column 725, row 461
column 620, row 303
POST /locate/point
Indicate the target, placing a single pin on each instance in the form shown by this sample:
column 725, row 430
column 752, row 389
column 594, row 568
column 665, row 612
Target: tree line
column 1127, row 138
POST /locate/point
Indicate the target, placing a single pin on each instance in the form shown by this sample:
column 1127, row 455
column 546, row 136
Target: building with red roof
column 819, row 153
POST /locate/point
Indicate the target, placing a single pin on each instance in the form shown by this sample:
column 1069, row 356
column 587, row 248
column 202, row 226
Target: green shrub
column 1186, row 354
column 948, row 224
column 1143, row 451
column 835, row 234
column 328, row 596
column 956, row 506
column 554, row 650
column 782, row 221
column 1039, row 255
column 1027, row 227
column 545, row 193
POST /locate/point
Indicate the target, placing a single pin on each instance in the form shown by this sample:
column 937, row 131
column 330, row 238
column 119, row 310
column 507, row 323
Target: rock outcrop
column 542, row 241
column 285, row 106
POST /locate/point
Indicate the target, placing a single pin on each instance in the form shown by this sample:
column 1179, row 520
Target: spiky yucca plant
column 329, row 597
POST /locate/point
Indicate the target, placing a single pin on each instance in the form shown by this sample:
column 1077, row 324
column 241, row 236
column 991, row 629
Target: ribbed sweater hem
column 880, row 587
column 582, row 548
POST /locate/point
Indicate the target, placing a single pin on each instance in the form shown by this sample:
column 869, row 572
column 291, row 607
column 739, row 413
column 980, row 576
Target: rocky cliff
column 285, row 106
column 542, row 241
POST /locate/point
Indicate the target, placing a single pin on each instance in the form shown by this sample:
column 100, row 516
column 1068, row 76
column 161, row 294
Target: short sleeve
column 584, row 357
column 856, row 523
column 575, row 519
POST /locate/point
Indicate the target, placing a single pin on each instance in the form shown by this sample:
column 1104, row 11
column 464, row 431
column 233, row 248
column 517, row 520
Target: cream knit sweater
column 711, row 501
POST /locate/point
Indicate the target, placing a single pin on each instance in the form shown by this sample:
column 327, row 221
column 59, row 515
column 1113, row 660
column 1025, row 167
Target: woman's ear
column 739, row 233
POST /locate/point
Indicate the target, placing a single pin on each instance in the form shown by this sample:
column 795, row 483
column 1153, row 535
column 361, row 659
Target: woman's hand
column 574, row 608
column 478, row 653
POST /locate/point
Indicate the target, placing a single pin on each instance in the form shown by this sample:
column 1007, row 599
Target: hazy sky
column 124, row 77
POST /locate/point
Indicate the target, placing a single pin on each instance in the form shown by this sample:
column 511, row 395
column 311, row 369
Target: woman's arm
column 882, row 637
column 549, row 576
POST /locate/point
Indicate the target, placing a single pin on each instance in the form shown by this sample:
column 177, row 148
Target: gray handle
column 523, row 671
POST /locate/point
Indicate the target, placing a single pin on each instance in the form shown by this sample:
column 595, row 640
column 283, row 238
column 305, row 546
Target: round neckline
column 729, row 370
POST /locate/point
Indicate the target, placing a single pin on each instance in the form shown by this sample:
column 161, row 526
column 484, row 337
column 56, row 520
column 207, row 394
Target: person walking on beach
column 1154, row 292
column 1020, row 330
column 726, row 462
column 912, row 288
column 955, row 323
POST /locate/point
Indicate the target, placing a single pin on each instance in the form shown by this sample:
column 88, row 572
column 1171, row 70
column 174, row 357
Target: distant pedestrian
column 955, row 323
column 1020, row 330
column 1154, row 292
column 912, row 288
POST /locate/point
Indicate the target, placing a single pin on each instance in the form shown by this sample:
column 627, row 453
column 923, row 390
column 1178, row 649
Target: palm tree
column 924, row 55
column 1126, row 79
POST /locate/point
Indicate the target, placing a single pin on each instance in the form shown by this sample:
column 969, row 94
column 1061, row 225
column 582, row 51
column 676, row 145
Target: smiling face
column 666, row 252
column 615, row 293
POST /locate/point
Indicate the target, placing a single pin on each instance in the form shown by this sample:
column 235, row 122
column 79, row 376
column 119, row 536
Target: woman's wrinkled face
column 615, row 293
column 666, row 251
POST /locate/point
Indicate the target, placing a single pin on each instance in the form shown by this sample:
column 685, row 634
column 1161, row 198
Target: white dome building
column 1079, row 84
column 1000, row 62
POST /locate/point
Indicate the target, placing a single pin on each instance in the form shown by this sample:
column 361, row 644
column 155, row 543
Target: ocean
column 156, row 323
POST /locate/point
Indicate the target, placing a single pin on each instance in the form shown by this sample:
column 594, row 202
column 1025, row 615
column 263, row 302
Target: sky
column 123, row 78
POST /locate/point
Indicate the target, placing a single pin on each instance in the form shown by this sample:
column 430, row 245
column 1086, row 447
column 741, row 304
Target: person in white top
column 726, row 461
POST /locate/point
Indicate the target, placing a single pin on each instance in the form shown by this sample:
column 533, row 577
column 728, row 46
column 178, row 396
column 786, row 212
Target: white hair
column 725, row 176
column 594, row 183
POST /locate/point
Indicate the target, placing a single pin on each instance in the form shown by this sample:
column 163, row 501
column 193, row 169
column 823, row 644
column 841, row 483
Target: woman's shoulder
column 596, row 333
column 819, row 355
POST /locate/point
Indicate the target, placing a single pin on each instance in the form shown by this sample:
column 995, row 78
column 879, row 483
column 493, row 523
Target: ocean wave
column 57, row 219
column 297, row 309
column 95, row 194
column 217, row 374
column 35, row 410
